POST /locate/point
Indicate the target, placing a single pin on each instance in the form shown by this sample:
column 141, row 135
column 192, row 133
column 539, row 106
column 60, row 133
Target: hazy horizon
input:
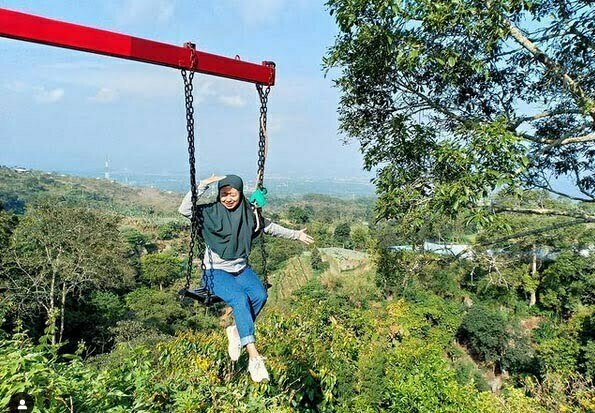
column 278, row 186
column 69, row 110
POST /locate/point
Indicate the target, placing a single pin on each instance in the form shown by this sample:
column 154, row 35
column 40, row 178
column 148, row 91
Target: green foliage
column 360, row 237
column 468, row 373
column 390, row 277
column 92, row 319
column 278, row 250
column 20, row 189
column 56, row 384
column 568, row 283
column 485, row 332
column 159, row 311
column 322, row 233
column 170, row 230
column 403, row 272
column 300, row 215
column 64, row 251
column 161, row 269
column 8, row 223
column 316, row 260
column 136, row 240
column 589, row 359
column 12, row 203
column 156, row 309
column 342, row 234
column 380, row 358
column 453, row 100
column 557, row 354
column 336, row 345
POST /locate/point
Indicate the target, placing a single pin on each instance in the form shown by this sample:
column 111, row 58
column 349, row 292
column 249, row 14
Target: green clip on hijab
column 229, row 232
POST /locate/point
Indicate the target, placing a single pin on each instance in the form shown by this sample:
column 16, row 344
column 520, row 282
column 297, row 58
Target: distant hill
column 19, row 187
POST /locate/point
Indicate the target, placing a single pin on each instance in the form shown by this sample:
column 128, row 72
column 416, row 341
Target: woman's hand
column 305, row 238
column 211, row 179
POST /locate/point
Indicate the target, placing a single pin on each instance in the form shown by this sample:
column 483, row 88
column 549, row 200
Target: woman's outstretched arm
column 277, row 230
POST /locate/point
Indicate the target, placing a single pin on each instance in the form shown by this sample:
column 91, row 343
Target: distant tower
column 106, row 173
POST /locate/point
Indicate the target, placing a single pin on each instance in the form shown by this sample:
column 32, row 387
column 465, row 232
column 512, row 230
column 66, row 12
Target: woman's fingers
column 213, row 178
column 305, row 238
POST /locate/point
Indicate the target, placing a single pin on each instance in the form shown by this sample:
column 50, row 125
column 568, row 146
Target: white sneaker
column 257, row 369
column 234, row 347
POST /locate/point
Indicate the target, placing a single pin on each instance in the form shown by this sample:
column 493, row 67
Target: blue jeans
column 244, row 293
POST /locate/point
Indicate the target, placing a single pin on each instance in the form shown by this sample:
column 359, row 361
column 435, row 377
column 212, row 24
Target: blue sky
column 65, row 110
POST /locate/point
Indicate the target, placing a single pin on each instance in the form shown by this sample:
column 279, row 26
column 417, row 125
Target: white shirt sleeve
column 277, row 230
column 186, row 205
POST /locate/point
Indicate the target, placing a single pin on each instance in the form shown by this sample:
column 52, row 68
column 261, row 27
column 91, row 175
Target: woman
column 228, row 229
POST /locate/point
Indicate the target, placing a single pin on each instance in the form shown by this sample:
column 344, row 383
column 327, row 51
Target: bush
column 484, row 331
column 170, row 230
column 316, row 261
column 323, row 355
column 161, row 269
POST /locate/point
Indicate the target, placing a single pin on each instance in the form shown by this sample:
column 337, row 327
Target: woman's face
column 229, row 197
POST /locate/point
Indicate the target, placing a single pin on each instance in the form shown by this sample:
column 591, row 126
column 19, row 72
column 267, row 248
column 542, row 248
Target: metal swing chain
column 195, row 218
column 263, row 94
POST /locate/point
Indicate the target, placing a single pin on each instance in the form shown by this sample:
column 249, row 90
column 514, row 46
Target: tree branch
column 567, row 141
column 433, row 104
column 543, row 115
column 576, row 139
column 579, row 185
column 549, row 188
column 585, row 39
column 574, row 88
column 547, row 212
column 537, row 231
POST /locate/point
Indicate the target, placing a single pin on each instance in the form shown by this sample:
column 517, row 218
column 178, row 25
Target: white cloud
column 124, row 79
column 43, row 95
column 257, row 12
column 233, row 101
column 40, row 94
column 133, row 11
column 74, row 65
column 104, row 95
column 116, row 81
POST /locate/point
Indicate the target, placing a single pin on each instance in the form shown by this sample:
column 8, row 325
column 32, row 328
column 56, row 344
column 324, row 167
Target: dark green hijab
column 229, row 232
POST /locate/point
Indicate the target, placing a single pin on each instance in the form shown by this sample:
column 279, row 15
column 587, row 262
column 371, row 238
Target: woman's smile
column 229, row 197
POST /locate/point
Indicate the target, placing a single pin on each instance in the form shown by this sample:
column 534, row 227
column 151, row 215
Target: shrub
column 484, row 331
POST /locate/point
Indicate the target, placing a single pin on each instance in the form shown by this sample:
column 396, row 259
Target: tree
column 520, row 260
column 8, row 222
column 452, row 100
column 569, row 283
column 342, row 233
column 278, row 250
column 157, row 311
column 484, row 331
column 57, row 252
column 322, row 233
column 160, row 269
column 361, row 237
column 316, row 260
column 170, row 230
column 300, row 215
column 93, row 319
column 136, row 240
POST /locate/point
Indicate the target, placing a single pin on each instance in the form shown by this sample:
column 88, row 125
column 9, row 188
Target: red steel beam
column 22, row 26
